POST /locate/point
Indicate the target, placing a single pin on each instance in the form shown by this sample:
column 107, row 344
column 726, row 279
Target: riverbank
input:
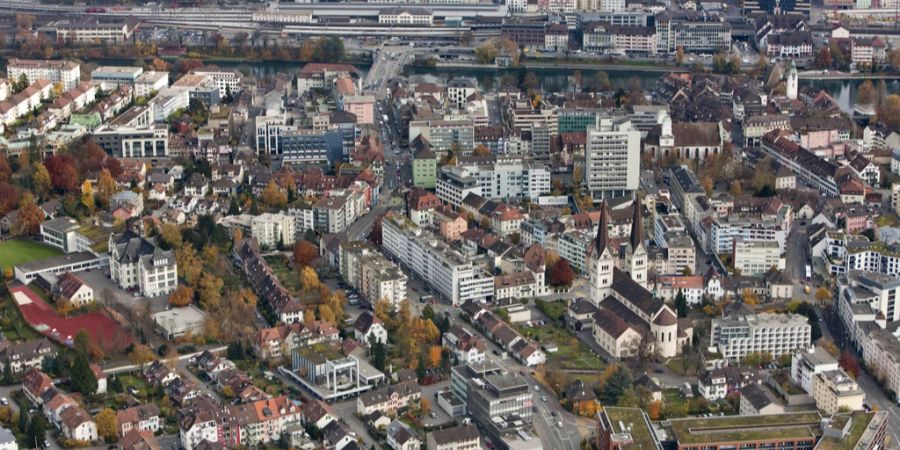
column 836, row 75
column 598, row 66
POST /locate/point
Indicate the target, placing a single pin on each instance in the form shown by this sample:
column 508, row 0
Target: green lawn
column 20, row 251
column 676, row 365
column 128, row 380
column 288, row 277
column 12, row 324
column 572, row 353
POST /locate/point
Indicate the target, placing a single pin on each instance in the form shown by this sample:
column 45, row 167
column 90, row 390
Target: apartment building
column 336, row 212
column 464, row 437
column 807, row 363
column 67, row 73
column 756, row 257
column 273, row 229
column 367, row 270
column 504, row 177
column 806, row 165
column 444, row 135
column 138, row 263
column 612, row 158
column 454, row 184
column 834, row 391
column 449, row 273
column 228, row 81
column 738, row 335
column 150, row 81
column 24, row 102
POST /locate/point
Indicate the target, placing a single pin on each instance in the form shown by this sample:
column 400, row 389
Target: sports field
column 20, row 251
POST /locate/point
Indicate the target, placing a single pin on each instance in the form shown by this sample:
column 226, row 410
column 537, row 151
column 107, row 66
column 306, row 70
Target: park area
column 21, row 251
column 105, row 333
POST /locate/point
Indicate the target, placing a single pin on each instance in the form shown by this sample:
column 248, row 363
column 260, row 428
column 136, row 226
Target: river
column 843, row 91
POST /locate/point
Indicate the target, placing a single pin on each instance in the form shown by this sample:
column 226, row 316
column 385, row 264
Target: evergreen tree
column 23, row 421
column 37, row 431
column 616, row 385
column 379, row 354
column 7, row 374
column 681, row 306
column 82, row 377
column 233, row 208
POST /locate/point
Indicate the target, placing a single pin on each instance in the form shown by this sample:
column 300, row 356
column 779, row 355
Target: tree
column 378, row 351
column 481, row 150
column 9, row 197
column 465, row 38
column 326, row 314
column 384, row 311
column 41, row 180
column 182, row 296
column 63, row 175
column 749, row 297
column 210, row 289
column 28, row 222
column 735, row 188
column 866, row 94
column 140, row 354
column 106, row 187
column 849, row 363
column 434, row 356
column 424, row 406
column 37, row 430
column 889, row 112
column 107, row 425
column 305, row 253
column 561, row 273
column 681, row 305
column 5, row 169
column 679, row 55
column 24, row 22
column 823, row 294
column 81, row 376
column 616, row 385
column 823, row 58
column 87, row 195
column 272, row 196
column 309, row 280
column 486, row 53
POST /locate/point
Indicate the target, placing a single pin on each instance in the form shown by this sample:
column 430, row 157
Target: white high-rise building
column 612, row 158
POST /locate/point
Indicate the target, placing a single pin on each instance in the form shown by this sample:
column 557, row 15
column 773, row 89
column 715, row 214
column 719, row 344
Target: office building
column 506, row 177
column 109, row 78
column 454, row 184
column 501, row 404
column 149, row 82
column 806, row 363
column 756, row 257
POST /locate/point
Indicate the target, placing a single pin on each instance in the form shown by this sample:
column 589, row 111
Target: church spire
column 637, row 225
column 602, row 240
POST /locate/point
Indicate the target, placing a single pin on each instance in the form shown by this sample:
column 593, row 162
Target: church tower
column 793, row 82
column 636, row 258
column 602, row 260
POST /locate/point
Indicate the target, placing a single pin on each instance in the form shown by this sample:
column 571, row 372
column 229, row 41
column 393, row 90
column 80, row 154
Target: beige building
column 756, row 257
column 834, row 390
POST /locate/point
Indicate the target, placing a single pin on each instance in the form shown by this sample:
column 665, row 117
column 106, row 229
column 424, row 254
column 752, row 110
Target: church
column 628, row 312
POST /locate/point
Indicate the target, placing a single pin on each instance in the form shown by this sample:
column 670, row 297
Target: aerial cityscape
column 450, row 224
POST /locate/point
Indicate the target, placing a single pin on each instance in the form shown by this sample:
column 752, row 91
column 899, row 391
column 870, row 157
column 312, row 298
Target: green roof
column 98, row 236
column 857, row 428
column 746, row 428
column 641, row 433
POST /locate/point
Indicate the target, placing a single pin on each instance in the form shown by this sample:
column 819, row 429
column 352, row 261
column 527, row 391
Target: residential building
column 137, row 263
column 374, row 276
column 71, row 289
column 150, row 82
column 273, row 230
column 464, row 437
column 449, row 273
column 612, row 158
column 807, row 363
column 757, row 400
column 424, row 168
column 454, row 184
column 143, row 417
column 503, row 177
column 368, row 329
column 67, row 73
column 834, row 391
column 8, row 440
column 465, row 346
column 21, row 356
column 739, row 335
column 77, row 424
column 444, row 135
column 228, row 81
column 389, row 400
